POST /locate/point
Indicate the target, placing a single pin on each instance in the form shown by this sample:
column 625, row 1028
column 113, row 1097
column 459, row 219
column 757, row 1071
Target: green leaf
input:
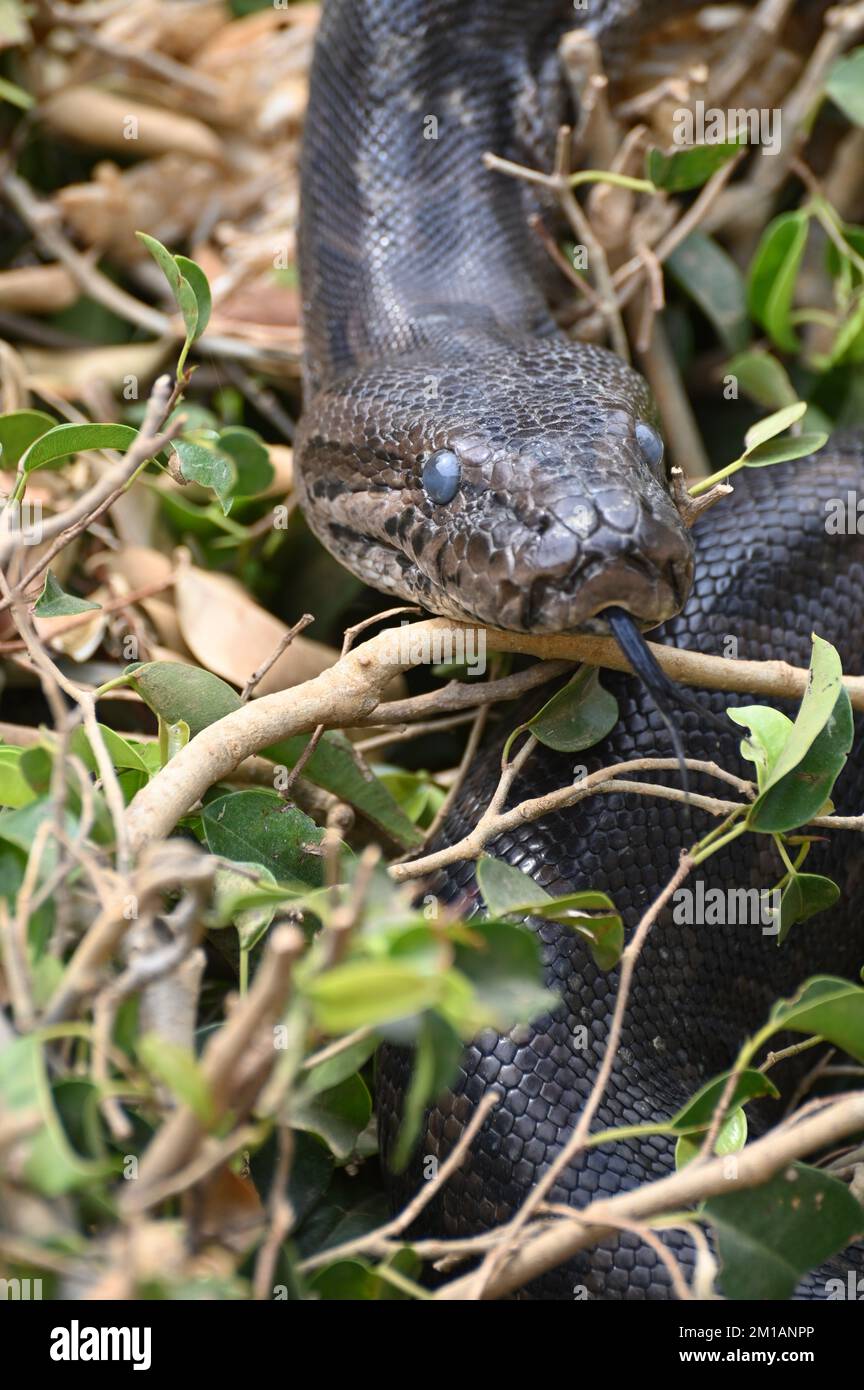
column 172, row 737
column 19, row 828
column 763, row 378
column 731, row 1139
column 15, row 789
column 773, row 276
column 333, row 1070
column 204, row 522
column 784, row 450
column 236, row 882
column 254, row 470
column 18, row 430
column 435, row 1065
column 338, row 1115
column 242, row 888
column 367, row 993
column 839, row 263
column 713, row 281
column 684, row 169
column 353, row 1281
column 176, row 691
column 178, row 1069
column 769, row 734
column 508, row 892
column 54, row 602
column 698, row 1113
column 577, row 716
column 800, row 781
column 773, row 425
column 769, row 1236
column 845, row 85
column 15, row 95
column 194, row 275
column 202, row 464
column 121, row 751
column 55, row 445
column 506, row 974
column 506, row 889
column 804, row 896
column 37, row 763
column 44, row 1159
column 827, row 1006
column 604, row 934
column 258, row 827
column 187, row 299
column 336, row 767
column 848, row 345
column 418, row 796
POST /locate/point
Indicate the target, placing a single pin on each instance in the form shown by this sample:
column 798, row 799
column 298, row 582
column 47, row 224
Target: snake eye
column 650, row 444
column 441, row 475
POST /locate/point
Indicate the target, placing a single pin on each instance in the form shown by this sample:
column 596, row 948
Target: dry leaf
column 13, row 380
column 178, row 29
column 66, row 374
column 162, row 196
column 79, row 642
column 134, row 567
column 99, row 118
column 225, row 1207
column 230, row 634
column 37, row 289
column 259, row 300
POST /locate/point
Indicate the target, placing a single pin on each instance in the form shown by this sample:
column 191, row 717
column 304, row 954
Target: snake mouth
column 650, row 593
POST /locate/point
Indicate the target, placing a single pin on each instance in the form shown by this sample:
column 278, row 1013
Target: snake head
column 522, row 487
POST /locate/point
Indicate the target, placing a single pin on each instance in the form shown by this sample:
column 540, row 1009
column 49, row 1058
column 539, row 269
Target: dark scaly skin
column 766, row 574
column 426, row 327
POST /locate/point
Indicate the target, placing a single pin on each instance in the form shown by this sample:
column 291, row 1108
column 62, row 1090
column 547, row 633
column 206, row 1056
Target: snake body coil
column 457, row 450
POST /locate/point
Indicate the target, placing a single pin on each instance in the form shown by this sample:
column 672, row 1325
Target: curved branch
column 351, row 691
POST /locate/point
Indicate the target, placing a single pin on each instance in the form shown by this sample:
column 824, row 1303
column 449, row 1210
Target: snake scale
column 459, row 451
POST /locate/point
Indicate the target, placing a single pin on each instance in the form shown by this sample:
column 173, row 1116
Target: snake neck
column 402, row 225
column 400, row 230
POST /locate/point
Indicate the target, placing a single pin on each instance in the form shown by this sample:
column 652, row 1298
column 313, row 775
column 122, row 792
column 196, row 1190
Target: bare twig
column 282, row 646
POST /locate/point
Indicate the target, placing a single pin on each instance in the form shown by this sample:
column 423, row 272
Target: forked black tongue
column 664, row 692
column 661, row 689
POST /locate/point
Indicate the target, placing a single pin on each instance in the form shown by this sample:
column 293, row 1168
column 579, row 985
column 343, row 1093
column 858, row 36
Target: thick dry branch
column 351, row 691
column 756, row 1163
column 775, row 679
